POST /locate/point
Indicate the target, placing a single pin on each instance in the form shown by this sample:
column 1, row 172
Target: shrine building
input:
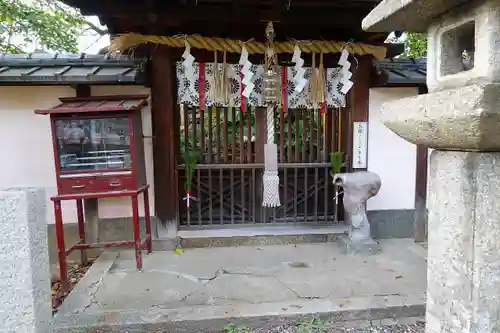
column 199, row 73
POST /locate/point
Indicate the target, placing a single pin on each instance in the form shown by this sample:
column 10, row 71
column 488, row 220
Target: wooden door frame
column 165, row 137
column 420, row 219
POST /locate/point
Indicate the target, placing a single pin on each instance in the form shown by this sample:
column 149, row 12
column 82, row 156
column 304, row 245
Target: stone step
column 266, row 235
column 350, row 312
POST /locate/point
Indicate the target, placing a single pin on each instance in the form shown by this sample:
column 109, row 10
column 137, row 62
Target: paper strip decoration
column 300, row 81
column 345, row 72
column 188, row 63
column 246, row 72
column 185, row 95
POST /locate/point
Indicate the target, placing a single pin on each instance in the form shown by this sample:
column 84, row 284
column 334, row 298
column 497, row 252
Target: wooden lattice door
column 227, row 180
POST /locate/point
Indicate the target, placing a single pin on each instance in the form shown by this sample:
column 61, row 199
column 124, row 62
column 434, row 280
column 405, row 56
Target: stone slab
column 407, row 15
column 203, row 289
column 465, row 118
column 213, row 319
column 364, row 248
column 274, row 235
column 25, row 296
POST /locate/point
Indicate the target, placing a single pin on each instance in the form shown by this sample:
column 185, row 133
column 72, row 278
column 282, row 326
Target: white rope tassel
column 270, row 179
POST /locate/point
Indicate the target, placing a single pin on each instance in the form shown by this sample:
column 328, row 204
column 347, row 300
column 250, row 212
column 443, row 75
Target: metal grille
column 227, row 179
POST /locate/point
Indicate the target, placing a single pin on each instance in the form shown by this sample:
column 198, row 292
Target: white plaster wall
column 391, row 157
column 26, row 147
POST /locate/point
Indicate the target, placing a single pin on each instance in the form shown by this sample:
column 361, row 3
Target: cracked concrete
column 239, row 277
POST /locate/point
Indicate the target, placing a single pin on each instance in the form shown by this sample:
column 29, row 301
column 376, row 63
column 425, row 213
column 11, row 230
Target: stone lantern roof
column 409, row 15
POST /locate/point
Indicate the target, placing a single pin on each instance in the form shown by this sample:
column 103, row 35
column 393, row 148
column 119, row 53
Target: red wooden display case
column 98, row 144
column 99, row 153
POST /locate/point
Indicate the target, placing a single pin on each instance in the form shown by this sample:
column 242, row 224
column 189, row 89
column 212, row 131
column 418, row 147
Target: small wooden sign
column 360, row 145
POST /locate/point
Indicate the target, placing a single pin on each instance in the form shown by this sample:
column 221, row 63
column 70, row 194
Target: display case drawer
column 96, row 184
column 117, row 183
column 77, row 185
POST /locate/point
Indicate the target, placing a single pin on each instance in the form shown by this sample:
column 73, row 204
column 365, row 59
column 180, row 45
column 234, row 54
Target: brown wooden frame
column 420, row 222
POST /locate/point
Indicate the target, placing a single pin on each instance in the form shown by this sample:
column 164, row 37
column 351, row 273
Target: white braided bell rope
column 270, row 179
column 270, row 124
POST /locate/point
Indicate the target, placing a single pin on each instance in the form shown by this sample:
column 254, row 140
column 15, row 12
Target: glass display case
column 97, row 149
column 93, row 144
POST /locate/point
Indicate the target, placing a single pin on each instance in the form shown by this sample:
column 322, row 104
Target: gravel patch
column 75, row 274
column 318, row 327
column 419, row 328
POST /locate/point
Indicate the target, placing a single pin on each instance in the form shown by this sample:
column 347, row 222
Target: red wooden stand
column 138, row 244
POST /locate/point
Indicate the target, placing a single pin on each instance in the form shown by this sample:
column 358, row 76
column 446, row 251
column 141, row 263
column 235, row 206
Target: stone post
column 460, row 118
column 25, row 295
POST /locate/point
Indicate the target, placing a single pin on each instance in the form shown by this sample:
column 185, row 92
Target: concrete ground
column 200, row 290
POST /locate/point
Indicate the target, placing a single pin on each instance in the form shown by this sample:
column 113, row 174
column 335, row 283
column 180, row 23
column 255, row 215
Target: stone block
column 407, row 15
column 459, row 119
column 463, row 248
column 474, row 27
column 363, row 248
column 25, row 296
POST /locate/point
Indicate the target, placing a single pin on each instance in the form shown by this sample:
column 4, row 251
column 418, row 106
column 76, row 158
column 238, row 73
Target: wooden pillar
column 359, row 101
column 420, row 221
column 164, row 121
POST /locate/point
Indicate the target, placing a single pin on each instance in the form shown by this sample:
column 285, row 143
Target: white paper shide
column 246, row 72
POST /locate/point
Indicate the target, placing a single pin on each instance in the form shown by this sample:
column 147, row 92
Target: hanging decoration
column 242, row 84
column 220, row 93
column 271, row 86
column 201, row 87
column 187, row 64
column 299, row 79
column 346, row 73
column 246, row 73
column 284, row 89
column 318, row 84
column 295, row 100
column 190, row 158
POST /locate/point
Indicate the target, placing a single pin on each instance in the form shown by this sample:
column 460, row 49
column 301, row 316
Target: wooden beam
column 82, row 90
column 98, row 7
column 241, row 31
column 163, row 92
column 359, row 98
column 420, row 221
column 182, row 16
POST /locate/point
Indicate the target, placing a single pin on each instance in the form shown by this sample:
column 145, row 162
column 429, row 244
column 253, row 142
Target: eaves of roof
column 68, row 69
column 403, row 72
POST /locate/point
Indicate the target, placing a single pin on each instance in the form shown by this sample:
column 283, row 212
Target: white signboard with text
column 360, row 145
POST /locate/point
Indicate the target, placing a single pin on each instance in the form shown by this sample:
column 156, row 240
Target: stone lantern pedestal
column 460, row 118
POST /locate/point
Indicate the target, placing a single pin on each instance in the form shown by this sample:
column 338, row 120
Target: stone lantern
column 460, row 119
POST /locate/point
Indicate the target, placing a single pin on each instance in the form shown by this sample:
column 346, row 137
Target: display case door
column 93, row 144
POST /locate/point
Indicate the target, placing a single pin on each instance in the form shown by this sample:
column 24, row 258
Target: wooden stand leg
column 147, row 219
column 137, row 232
column 81, row 230
column 61, row 248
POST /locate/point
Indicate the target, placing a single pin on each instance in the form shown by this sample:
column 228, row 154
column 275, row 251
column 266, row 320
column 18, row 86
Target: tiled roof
column 43, row 68
column 97, row 104
column 404, row 71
